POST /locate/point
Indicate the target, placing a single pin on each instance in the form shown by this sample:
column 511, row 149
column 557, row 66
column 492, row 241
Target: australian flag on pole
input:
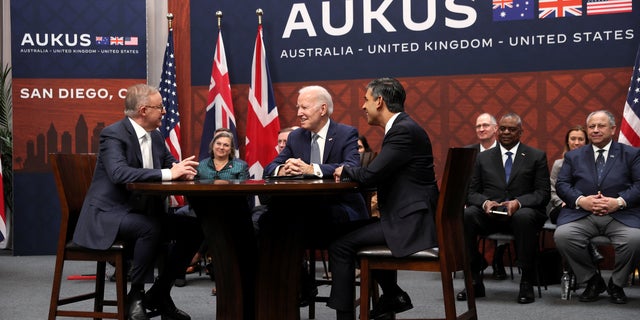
column 219, row 111
column 262, row 114
column 630, row 127
column 170, row 127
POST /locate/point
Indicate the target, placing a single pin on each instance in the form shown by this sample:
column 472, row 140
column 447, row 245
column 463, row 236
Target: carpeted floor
column 25, row 288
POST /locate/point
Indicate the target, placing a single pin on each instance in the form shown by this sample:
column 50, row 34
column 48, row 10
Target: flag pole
column 259, row 13
column 170, row 19
column 219, row 15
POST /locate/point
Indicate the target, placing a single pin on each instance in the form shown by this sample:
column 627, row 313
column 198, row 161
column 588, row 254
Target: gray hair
column 321, row 95
column 137, row 95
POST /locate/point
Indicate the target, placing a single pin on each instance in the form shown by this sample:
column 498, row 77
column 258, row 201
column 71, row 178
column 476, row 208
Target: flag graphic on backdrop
column 507, row 10
column 219, row 112
column 170, row 127
column 262, row 113
column 595, row 7
column 3, row 217
column 630, row 126
column 559, row 8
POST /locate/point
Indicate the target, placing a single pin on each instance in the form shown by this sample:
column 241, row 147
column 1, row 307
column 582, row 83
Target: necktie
column 315, row 150
column 600, row 163
column 507, row 165
column 145, row 148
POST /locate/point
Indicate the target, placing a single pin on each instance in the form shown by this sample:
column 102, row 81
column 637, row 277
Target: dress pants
column 524, row 224
column 343, row 260
column 147, row 235
column 572, row 239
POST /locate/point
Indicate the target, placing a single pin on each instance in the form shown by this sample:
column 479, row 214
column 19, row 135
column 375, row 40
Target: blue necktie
column 508, row 164
column 315, row 149
column 600, row 163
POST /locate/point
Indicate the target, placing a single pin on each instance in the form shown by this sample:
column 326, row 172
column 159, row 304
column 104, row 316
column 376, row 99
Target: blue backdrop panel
column 72, row 60
column 347, row 39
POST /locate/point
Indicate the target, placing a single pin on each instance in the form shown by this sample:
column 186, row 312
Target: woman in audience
column 575, row 138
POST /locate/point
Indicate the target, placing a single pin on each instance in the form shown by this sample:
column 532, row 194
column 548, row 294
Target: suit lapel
column 518, row 159
column 612, row 156
column 498, row 165
column 329, row 141
column 134, row 140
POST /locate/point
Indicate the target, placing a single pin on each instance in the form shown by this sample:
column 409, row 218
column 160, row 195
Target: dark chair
column 73, row 174
column 450, row 257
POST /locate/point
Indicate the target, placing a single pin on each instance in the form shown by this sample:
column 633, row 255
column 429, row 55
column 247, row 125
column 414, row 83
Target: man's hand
column 294, row 167
column 185, row 169
column 338, row 173
column 512, row 206
column 599, row 204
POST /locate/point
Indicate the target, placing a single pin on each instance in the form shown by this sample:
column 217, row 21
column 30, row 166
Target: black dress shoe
column 163, row 304
column 595, row 287
column 307, row 296
column 478, row 290
column 388, row 306
column 135, row 308
column 526, row 293
column 596, row 256
column 616, row 294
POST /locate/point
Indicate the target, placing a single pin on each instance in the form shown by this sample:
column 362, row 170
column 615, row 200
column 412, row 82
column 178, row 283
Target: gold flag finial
column 170, row 19
column 259, row 13
column 219, row 15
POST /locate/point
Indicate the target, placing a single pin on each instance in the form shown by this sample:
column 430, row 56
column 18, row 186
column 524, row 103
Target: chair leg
column 365, row 284
column 98, row 301
column 55, row 289
column 312, row 274
column 121, row 286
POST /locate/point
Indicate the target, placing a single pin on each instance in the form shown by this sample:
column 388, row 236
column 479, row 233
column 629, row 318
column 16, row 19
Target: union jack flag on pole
column 219, row 111
column 630, row 126
column 3, row 217
column 170, row 127
column 262, row 113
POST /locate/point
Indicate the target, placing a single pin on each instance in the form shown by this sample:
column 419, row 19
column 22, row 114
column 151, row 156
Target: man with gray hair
column 600, row 185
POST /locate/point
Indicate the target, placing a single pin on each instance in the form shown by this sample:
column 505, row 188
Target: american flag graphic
column 262, row 114
column 559, row 8
column 630, row 127
column 595, row 7
column 219, row 111
column 170, row 127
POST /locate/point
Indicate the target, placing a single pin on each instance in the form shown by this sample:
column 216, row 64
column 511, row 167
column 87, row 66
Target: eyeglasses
column 159, row 107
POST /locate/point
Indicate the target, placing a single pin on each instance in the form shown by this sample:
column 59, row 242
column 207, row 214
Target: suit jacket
column 407, row 187
column 528, row 183
column 620, row 178
column 108, row 200
column 340, row 148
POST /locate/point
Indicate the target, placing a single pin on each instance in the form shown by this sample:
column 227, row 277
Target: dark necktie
column 507, row 165
column 600, row 163
column 315, row 149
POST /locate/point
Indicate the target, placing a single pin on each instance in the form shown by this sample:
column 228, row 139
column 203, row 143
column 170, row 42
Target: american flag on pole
column 170, row 127
column 630, row 127
column 262, row 114
column 219, row 111
column 3, row 217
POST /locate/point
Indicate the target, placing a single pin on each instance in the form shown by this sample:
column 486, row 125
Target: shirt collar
column 140, row 131
column 389, row 124
column 606, row 148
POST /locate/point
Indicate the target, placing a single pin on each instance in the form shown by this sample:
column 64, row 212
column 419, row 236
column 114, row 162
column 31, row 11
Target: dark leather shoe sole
column 593, row 291
column 478, row 290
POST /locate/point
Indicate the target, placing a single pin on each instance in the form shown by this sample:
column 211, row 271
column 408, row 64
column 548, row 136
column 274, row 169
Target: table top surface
column 238, row 187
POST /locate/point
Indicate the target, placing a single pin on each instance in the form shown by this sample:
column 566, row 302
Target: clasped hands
column 294, row 167
column 511, row 205
column 598, row 204
column 185, row 169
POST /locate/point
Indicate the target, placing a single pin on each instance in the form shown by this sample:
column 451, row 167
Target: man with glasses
column 132, row 150
column 508, row 193
column 600, row 186
column 486, row 130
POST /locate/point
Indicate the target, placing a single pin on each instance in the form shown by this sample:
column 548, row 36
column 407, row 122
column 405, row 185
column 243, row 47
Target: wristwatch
column 620, row 203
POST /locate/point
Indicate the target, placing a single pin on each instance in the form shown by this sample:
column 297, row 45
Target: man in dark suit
column 600, row 184
column 132, row 150
column 486, row 131
column 512, row 178
column 407, row 196
column 335, row 145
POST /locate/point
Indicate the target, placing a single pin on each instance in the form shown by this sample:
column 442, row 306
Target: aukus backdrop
column 551, row 61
